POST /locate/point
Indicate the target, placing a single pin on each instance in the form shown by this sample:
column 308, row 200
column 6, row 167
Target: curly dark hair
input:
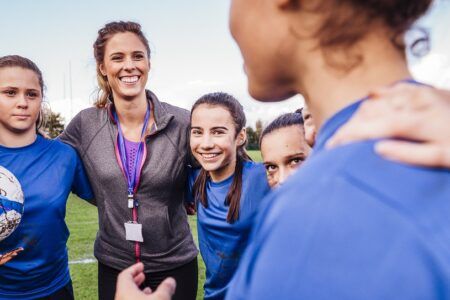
column 346, row 22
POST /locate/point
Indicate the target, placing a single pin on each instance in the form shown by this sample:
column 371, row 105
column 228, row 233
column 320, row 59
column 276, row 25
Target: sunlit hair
column 104, row 34
column 285, row 120
column 11, row 61
column 236, row 111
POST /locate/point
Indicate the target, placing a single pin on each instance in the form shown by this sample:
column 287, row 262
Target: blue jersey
column 351, row 225
column 221, row 243
column 47, row 171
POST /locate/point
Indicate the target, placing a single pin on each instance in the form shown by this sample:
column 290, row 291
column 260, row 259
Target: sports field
column 83, row 224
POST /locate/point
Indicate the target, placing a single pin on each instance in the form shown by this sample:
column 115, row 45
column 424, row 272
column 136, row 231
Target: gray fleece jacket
column 168, row 242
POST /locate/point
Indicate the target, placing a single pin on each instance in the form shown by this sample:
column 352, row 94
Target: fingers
column 4, row 259
column 128, row 282
column 190, row 208
column 147, row 291
column 16, row 251
column 358, row 129
column 139, row 279
column 10, row 255
column 165, row 290
column 405, row 111
column 429, row 155
column 134, row 270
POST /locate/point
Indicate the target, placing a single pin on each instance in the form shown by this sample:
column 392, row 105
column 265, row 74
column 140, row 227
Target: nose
column 129, row 64
column 22, row 102
column 207, row 142
column 284, row 174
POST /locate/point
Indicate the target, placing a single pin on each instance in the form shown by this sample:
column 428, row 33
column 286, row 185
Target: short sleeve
column 192, row 175
column 80, row 185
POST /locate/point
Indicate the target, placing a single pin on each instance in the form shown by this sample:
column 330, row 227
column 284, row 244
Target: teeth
column 209, row 155
column 131, row 79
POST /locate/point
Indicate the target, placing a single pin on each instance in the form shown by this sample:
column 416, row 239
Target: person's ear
column 101, row 67
column 242, row 137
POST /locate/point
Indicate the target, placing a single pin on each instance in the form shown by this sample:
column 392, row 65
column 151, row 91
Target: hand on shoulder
column 417, row 113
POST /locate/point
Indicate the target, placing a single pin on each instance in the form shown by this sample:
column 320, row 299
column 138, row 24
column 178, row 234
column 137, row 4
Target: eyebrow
column 121, row 53
column 214, row 128
column 301, row 154
column 115, row 53
column 219, row 127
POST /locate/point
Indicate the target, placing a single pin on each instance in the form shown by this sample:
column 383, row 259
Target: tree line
column 253, row 135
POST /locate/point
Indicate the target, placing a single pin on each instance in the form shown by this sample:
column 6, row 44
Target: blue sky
column 192, row 50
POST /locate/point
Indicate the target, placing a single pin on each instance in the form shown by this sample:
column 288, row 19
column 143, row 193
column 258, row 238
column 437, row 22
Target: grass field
column 83, row 224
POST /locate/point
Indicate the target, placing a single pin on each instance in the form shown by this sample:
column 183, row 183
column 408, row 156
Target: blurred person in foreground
column 349, row 224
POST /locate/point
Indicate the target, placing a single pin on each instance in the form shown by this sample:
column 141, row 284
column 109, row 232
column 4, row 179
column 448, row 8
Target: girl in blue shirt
column 47, row 171
column 228, row 189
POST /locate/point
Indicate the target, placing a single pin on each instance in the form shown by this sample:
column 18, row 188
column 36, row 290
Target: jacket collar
column 161, row 115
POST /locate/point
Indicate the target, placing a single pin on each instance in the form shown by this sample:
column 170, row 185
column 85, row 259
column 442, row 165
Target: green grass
column 255, row 155
column 82, row 220
column 81, row 217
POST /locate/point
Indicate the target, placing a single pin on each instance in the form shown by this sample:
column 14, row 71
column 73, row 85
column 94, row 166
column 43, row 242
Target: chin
column 264, row 94
column 23, row 129
column 130, row 95
column 209, row 167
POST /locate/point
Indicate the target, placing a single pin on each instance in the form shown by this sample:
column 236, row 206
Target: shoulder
column 181, row 115
column 355, row 193
column 57, row 149
column 343, row 211
column 63, row 148
column 359, row 166
column 84, row 125
column 255, row 178
column 252, row 169
column 88, row 117
column 92, row 112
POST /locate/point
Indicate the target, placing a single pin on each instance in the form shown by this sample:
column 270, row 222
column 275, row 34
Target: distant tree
column 54, row 124
column 252, row 139
column 259, row 128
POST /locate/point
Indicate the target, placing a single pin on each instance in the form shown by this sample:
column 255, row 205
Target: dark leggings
column 64, row 293
column 186, row 277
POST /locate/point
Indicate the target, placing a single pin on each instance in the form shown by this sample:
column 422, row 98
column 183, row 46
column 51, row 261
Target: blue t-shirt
column 221, row 243
column 47, row 171
column 351, row 225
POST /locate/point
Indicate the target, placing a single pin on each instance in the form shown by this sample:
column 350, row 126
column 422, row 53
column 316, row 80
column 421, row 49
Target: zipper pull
column 130, row 201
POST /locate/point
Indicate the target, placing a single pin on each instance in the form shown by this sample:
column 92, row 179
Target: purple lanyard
column 131, row 178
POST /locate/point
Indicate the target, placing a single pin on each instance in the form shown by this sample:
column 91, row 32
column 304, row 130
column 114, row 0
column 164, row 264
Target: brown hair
column 347, row 21
column 233, row 197
column 11, row 61
column 283, row 121
column 104, row 34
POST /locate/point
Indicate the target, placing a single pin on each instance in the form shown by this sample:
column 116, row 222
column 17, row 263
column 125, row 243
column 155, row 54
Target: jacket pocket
column 156, row 230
